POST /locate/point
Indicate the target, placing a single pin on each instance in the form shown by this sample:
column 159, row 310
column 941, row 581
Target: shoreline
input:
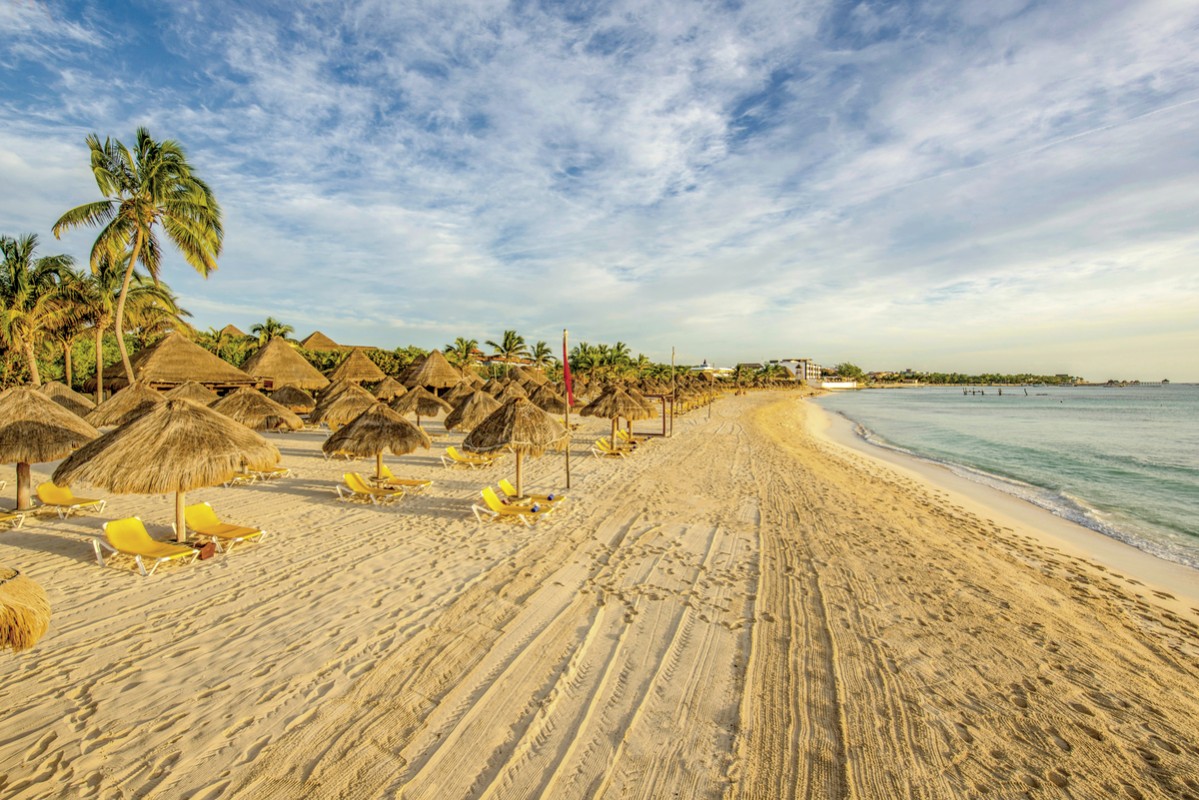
column 1078, row 540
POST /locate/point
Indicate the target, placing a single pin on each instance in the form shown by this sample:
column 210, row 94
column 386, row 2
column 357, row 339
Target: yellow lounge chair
column 273, row 472
column 204, row 521
column 626, row 438
column 129, row 536
column 408, row 485
column 14, row 518
column 510, row 492
column 356, row 488
column 63, row 500
column 243, row 478
column 603, row 447
column 495, row 509
column 452, row 457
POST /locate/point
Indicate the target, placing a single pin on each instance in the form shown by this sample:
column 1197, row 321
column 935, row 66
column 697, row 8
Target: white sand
column 739, row 611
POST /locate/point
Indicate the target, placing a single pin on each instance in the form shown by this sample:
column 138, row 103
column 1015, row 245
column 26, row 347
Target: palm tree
column 153, row 185
column 271, row 329
column 542, row 355
column 156, row 316
column 100, row 295
column 75, row 286
column 462, row 352
column 511, row 346
column 33, row 298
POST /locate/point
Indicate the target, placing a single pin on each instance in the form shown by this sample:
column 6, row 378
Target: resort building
column 804, row 369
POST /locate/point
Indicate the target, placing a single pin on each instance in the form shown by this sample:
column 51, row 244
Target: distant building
column 804, row 369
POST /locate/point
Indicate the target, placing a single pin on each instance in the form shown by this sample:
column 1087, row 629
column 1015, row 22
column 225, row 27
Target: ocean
column 1123, row 461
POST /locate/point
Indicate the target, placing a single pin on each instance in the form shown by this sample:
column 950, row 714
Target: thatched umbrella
column 388, row 389
column 494, row 386
column 255, row 410
column 196, row 392
column 545, row 398
column 614, row 403
column 528, row 375
column 343, row 407
column 472, row 410
column 375, row 430
column 458, row 393
column 520, row 427
column 127, row 404
column 294, row 399
column 175, row 447
column 68, row 398
column 434, row 373
column 512, row 390
column 34, row 429
column 358, row 368
column 278, row 364
column 24, row 611
column 421, row 402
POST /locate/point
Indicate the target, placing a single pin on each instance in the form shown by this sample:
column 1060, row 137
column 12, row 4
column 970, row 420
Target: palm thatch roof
column 389, row 389
column 176, row 360
column 68, row 398
column 513, row 389
column 294, row 398
column 255, row 410
column 277, row 364
column 434, row 373
column 193, row 391
column 527, row 375
column 471, row 410
column 375, row 430
column 358, row 368
column 175, row 446
column 421, row 402
column 233, row 330
column 343, row 407
column 547, row 399
column 319, row 341
column 518, row 426
column 458, row 393
column 615, row 403
column 127, row 404
column 24, row 611
column 34, row 428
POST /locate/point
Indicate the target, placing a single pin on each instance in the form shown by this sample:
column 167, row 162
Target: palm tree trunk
column 120, row 312
column 66, row 357
column 34, row 377
column 99, row 364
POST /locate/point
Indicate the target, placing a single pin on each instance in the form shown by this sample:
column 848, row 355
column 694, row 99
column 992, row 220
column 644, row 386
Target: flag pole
column 569, row 400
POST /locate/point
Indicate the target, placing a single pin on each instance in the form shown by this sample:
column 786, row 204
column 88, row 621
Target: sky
column 989, row 186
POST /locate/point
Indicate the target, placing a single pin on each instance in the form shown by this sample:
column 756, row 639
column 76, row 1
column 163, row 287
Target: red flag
column 570, row 397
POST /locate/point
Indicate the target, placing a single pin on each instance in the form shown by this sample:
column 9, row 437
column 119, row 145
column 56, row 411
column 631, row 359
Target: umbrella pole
column 519, row 490
column 180, row 526
column 614, row 421
column 379, row 465
column 24, row 483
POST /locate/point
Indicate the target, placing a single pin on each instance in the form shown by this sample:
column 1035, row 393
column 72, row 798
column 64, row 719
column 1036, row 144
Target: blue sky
column 975, row 186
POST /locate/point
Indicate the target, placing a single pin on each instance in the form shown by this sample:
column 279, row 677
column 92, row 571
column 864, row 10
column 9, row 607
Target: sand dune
column 741, row 611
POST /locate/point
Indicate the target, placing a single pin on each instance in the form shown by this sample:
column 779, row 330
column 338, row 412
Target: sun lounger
column 510, row 493
column 244, row 478
column 201, row 519
column 63, row 500
column 356, row 488
column 603, row 447
column 408, row 485
column 626, row 438
column 453, row 457
column 274, row 472
column 495, row 509
column 129, row 536
column 13, row 518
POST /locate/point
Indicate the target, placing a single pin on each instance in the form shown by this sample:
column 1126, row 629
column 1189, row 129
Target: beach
column 756, row 607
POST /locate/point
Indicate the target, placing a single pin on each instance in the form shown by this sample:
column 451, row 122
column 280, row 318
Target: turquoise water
column 1122, row 461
